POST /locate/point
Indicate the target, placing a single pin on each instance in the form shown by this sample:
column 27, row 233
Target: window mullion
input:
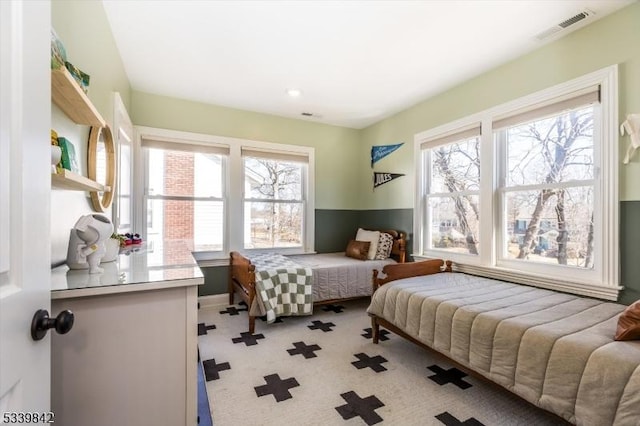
column 488, row 207
column 236, row 203
column 182, row 198
column 455, row 194
column 426, row 214
column 500, row 218
column 142, row 184
column 275, row 201
column 555, row 185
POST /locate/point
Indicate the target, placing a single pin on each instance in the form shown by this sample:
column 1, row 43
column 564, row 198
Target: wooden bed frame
column 396, row 272
column 429, row 267
column 242, row 277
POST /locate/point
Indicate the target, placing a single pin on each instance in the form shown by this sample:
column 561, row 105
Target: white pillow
column 372, row 237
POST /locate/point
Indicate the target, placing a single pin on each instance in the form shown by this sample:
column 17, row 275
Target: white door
column 25, row 184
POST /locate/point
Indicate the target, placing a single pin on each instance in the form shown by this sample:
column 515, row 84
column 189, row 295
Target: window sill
column 211, row 259
column 208, row 259
column 550, row 283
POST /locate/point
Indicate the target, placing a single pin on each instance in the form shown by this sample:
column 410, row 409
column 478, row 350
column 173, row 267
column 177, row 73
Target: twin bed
column 310, row 279
column 555, row 350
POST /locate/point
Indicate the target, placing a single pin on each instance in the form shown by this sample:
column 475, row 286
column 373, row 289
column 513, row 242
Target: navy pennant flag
column 381, row 151
column 382, row 178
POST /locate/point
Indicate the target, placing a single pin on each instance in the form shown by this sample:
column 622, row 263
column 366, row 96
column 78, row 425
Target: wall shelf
column 73, row 181
column 70, row 98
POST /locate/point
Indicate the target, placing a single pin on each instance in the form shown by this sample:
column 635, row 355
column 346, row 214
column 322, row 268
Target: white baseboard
column 214, row 300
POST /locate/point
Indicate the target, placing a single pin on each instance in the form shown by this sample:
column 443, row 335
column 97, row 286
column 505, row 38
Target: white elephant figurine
column 86, row 243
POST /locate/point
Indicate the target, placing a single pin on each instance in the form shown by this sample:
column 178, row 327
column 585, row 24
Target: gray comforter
column 336, row 276
column 554, row 350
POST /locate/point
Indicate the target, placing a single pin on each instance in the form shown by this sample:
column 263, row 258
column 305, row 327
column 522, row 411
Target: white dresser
column 131, row 356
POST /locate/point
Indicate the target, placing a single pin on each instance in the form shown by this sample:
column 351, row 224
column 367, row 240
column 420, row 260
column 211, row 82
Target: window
column 452, row 196
column 123, row 205
column 273, row 200
column 224, row 193
column 549, row 186
column 184, row 187
column 527, row 191
column 123, row 137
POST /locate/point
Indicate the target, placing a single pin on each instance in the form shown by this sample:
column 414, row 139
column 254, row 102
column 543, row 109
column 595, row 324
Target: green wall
column 343, row 225
column 630, row 251
column 612, row 40
column 215, row 281
column 336, row 176
column 83, row 28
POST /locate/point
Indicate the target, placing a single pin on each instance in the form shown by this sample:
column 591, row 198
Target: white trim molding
column 214, row 300
column 542, row 281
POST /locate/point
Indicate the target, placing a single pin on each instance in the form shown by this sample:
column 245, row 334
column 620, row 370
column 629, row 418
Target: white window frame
column 602, row 280
column 123, row 135
column 279, row 156
column 233, row 192
column 187, row 198
column 426, row 148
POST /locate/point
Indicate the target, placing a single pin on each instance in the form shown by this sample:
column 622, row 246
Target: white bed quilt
column 555, row 350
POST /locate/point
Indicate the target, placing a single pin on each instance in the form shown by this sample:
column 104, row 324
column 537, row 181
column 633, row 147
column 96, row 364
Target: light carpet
column 324, row 370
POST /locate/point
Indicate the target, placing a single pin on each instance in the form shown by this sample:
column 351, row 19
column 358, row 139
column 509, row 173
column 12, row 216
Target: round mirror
column 101, row 163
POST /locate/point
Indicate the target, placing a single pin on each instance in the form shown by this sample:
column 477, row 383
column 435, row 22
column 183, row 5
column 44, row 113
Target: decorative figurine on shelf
column 86, row 243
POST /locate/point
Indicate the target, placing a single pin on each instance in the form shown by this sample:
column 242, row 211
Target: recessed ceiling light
column 294, row 93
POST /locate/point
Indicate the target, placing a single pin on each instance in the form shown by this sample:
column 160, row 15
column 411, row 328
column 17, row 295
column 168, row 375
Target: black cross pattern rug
column 304, row 371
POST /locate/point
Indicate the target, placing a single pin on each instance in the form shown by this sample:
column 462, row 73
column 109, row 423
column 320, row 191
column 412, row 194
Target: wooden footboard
column 398, row 271
column 242, row 278
column 405, row 270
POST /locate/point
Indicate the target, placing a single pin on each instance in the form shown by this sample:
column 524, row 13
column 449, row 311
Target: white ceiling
column 356, row 62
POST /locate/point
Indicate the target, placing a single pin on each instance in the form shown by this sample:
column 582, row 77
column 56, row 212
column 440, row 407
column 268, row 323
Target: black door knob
column 41, row 323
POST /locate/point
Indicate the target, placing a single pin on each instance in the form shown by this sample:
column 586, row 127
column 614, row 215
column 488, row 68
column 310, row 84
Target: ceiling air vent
column 577, row 18
column 304, row 114
column 562, row 26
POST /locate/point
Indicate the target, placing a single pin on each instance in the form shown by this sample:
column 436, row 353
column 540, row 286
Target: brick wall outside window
column 178, row 215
